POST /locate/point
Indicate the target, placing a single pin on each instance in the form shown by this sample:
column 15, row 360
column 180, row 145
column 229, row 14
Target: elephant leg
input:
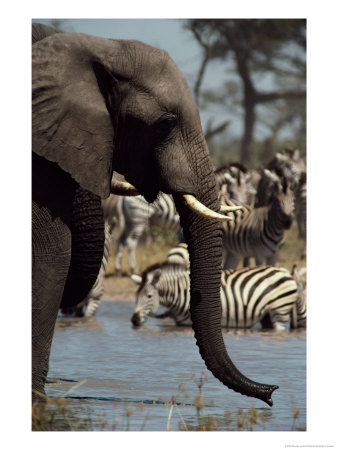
column 51, row 259
column 87, row 231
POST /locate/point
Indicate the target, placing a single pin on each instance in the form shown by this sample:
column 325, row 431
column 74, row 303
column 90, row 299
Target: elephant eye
column 164, row 125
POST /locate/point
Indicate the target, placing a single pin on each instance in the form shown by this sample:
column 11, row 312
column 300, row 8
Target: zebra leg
column 118, row 256
column 271, row 260
column 231, row 261
column 246, row 261
column 131, row 245
column 280, row 319
column 266, row 322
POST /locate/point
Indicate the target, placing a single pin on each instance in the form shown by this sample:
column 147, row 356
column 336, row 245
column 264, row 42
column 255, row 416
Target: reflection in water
column 159, row 363
column 78, row 322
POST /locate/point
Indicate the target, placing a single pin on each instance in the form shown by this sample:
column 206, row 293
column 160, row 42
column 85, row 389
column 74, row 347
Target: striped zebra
column 290, row 164
column 267, row 187
column 179, row 255
column 300, row 210
column 298, row 317
column 137, row 213
column 258, row 232
column 262, row 294
column 89, row 306
column 234, row 180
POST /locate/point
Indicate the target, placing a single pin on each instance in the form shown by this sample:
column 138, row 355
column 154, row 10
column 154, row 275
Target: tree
column 258, row 48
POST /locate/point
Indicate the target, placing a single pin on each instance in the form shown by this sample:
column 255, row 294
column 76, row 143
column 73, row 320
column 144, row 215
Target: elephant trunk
column 204, row 239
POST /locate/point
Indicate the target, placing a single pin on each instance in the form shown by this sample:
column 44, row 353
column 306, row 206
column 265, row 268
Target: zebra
column 300, row 210
column 137, row 213
column 298, row 317
column 267, row 187
column 290, row 164
column 262, row 294
column 234, row 180
column 179, row 255
column 258, row 232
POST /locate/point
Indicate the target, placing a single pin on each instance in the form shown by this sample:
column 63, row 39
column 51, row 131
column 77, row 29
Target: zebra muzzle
column 136, row 319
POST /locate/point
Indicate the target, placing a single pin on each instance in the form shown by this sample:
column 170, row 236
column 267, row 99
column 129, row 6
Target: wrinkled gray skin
column 101, row 105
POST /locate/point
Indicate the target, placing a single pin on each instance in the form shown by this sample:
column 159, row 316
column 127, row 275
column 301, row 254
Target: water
column 128, row 375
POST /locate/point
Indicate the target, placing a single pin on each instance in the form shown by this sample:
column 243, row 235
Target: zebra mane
column 239, row 166
column 166, row 265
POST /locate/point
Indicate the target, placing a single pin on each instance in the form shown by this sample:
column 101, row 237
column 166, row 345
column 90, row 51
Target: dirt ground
column 119, row 288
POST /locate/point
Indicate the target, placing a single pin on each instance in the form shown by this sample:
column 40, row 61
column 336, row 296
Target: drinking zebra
column 179, row 255
column 137, row 213
column 258, row 232
column 248, row 296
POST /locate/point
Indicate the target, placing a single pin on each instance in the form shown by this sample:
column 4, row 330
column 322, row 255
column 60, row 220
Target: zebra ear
column 156, row 277
column 136, row 279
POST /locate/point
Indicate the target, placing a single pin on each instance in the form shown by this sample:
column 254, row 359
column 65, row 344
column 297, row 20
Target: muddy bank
column 119, row 288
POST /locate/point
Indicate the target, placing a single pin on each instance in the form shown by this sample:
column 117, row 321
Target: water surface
column 123, row 377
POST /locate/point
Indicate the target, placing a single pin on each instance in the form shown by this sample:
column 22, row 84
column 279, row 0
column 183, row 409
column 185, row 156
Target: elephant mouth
column 125, row 188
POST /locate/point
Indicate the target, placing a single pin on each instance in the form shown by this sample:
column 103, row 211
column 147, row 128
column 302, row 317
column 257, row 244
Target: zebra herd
column 270, row 198
column 249, row 295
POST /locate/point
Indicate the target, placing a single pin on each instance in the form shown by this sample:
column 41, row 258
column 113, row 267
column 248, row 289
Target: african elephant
column 101, row 105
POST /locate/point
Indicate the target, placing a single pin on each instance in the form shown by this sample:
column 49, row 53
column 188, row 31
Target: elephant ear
column 40, row 31
column 71, row 123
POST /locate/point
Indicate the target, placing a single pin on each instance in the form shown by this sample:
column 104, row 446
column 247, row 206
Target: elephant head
column 101, row 105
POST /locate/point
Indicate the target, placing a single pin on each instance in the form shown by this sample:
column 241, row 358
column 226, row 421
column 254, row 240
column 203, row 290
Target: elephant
column 101, row 106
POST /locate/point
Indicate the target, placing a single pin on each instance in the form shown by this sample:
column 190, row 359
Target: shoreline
column 119, row 288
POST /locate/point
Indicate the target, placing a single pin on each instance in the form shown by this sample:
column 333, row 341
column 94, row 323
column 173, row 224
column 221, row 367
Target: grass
column 57, row 414
column 155, row 245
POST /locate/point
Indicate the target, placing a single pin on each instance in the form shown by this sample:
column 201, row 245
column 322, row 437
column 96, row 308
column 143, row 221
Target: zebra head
column 268, row 186
column 298, row 319
column 233, row 180
column 147, row 296
column 290, row 164
column 286, row 202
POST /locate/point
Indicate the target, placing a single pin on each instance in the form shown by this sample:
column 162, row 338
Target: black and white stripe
column 258, row 232
column 300, row 202
column 248, row 296
column 137, row 213
column 234, row 180
column 290, row 164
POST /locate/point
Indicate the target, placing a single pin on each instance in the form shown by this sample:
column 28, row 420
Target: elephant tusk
column 225, row 209
column 202, row 210
column 123, row 188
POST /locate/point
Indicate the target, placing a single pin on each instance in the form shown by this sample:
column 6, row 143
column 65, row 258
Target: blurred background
column 248, row 77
